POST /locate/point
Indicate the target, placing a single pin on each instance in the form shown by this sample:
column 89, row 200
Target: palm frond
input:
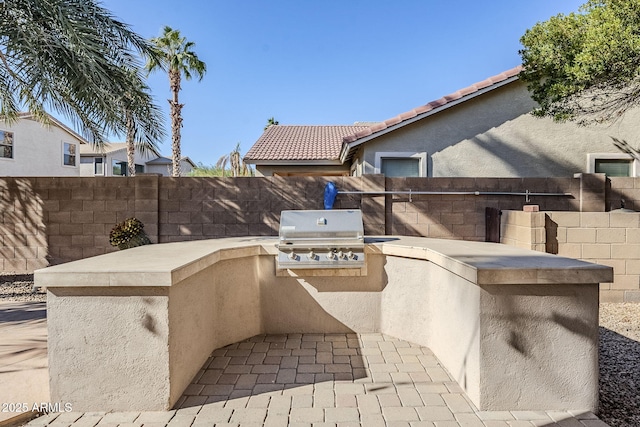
column 70, row 56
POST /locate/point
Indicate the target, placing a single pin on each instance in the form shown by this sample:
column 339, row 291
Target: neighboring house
column 300, row 150
column 164, row 166
column 31, row 148
column 484, row 130
column 111, row 160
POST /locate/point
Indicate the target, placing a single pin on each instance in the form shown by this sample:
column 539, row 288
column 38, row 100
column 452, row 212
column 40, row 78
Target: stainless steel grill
column 321, row 239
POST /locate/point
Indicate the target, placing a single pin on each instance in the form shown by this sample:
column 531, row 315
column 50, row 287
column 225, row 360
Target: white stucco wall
column 38, row 150
column 494, row 135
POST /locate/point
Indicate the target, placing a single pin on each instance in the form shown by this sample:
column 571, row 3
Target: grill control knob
column 350, row 255
column 331, row 255
column 292, row 255
column 312, row 255
column 340, row 254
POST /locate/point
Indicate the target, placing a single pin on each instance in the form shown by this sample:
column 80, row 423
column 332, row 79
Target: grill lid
column 321, row 239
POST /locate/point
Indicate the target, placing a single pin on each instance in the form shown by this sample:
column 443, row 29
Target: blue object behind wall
column 330, row 193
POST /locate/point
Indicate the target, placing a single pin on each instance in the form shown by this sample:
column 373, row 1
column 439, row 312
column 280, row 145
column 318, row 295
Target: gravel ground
column 19, row 287
column 620, row 364
column 619, row 352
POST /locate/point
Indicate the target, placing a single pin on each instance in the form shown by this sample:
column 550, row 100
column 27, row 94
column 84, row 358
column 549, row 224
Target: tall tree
column 585, row 65
column 71, row 56
column 238, row 166
column 174, row 55
column 271, row 122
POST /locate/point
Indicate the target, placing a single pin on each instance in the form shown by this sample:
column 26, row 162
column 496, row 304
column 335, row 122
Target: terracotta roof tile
column 422, row 109
column 376, row 128
column 283, row 142
column 407, row 115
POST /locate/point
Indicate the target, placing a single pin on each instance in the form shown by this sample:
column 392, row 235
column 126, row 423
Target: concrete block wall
column 607, row 238
column 619, row 189
column 524, row 230
column 46, row 221
column 460, row 216
column 204, row 208
column 23, row 229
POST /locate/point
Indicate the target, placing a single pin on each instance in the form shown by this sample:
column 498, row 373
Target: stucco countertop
column 170, row 263
column 494, row 263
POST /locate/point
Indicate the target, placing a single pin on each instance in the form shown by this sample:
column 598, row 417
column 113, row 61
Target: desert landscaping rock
column 620, row 364
column 19, row 287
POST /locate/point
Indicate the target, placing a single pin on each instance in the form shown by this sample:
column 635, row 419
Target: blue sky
column 326, row 62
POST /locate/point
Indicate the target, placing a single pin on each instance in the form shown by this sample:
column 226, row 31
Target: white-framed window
column 401, row 164
column 98, row 166
column 69, row 154
column 6, row 145
column 612, row 164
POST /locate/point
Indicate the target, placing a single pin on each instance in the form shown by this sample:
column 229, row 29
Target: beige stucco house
column 31, row 148
column 484, row 130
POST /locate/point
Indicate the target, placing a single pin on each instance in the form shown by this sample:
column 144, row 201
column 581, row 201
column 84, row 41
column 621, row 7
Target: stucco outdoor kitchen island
column 517, row 329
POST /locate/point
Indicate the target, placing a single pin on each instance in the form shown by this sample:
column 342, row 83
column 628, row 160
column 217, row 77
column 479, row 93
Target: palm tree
column 271, row 122
column 238, row 166
column 72, row 57
column 174, row 55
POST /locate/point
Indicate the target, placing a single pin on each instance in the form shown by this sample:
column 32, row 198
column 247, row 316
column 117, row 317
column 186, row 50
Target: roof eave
column 301, row 162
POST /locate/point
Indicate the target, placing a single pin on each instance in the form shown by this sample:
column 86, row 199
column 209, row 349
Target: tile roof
column 284, row 142
column 162, row 160
column 438, row 103
column 108, row 148
column 337, row 143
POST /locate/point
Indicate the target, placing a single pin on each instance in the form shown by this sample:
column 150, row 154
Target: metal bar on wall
column 527, row 193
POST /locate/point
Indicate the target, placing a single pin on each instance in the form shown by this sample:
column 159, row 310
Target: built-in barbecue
column 321, row 239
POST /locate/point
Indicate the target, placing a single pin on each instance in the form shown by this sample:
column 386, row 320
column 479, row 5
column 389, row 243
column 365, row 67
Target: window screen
column 614, row 167
column 400, row 167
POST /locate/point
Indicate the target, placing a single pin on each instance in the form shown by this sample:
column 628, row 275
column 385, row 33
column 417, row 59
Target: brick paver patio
column 323, row 380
